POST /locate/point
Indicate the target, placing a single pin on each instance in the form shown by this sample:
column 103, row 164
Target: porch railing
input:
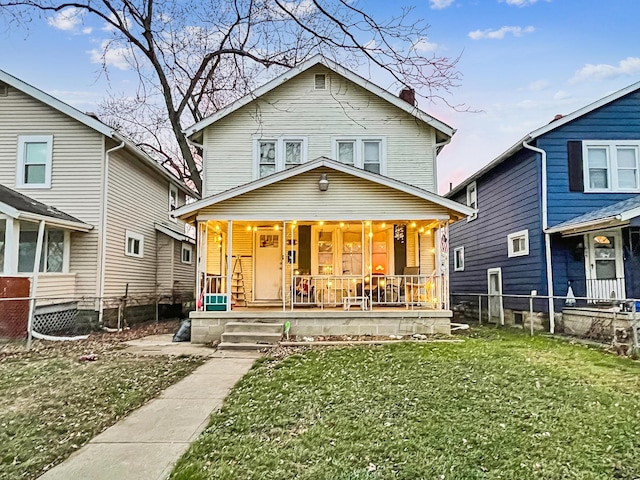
column 605, row 290
column 367, row 292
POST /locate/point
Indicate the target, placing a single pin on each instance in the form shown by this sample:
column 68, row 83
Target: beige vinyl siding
column 78, row 153
column 297, row 109
column 427, row 254
column 348, row 198
column 166, row 246
column 137, row 198
column 184, row 274
column 59, row 286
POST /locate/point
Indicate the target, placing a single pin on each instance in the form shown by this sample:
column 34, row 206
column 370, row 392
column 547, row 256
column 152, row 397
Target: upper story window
column 365, row 153
column 35, row 153
column 277, row 154
column 173, row 201
column 611, row 166
column 518, row 243
column 472, row 198
column 320, row 81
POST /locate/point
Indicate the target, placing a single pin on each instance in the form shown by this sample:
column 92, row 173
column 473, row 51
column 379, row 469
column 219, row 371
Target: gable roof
column 440, row 126
column 616, row 214
column 17, row 205
column 187, row 210
column 94, row 124
column 543, row 130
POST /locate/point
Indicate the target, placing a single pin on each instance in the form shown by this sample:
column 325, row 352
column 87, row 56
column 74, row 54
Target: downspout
column 103, row 232
column 547, row 237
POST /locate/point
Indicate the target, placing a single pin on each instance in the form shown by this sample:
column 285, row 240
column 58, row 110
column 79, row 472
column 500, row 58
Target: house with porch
column 559, row 214
column 85, row 216
column 319, row 208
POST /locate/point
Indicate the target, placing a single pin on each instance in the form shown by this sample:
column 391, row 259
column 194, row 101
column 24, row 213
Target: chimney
column 558, row 116
column 408, row 95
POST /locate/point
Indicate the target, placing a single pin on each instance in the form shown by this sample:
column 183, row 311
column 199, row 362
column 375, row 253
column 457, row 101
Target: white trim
column 173, row 190
column 23, row 140
column 134, row 236
column 186, row 248
column 280, row 151
column 472, row 188
column 181, row 237
column 340, row 70
column 358, row 150
column 522, row 234
column 456, row 265
column 611, row 147
column 462, row 210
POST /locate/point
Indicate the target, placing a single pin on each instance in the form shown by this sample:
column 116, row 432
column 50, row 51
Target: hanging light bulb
column 383, row 225
column 276, row 227
column 248, row 228
column 341, row 224
column 413, row 224
column 321, row 222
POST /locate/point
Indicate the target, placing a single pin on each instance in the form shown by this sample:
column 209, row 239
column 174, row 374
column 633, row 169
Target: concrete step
column 243, row 346
column 257, row 327
column 251, row 337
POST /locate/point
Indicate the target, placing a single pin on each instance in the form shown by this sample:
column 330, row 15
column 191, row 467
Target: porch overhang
column 20, row 207
column 181, row 237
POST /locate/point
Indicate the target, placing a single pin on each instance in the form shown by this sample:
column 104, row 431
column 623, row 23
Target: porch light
column 413, row 224
column 276, row 227
column 321, row 222
column 255, row 229
column 323, row 183
column 341, row 224
column 248, row 228
column 383, row 225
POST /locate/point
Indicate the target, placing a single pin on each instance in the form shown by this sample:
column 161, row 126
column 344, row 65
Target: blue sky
column 523, row 61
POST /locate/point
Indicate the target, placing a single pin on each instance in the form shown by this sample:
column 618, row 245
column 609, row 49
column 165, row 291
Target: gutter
column 437, row 148
column 547, row 237
column 103, row 231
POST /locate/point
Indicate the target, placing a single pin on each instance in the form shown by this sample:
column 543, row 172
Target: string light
column 383, row 225
column 248, row 228
column 341, row 224
column 321, row 222
column 276, row 227
column 413, row 224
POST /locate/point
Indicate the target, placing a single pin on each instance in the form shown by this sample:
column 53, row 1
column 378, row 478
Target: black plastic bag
column 184, row 332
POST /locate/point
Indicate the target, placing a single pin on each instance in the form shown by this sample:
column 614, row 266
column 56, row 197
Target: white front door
column 494, row 281
column 268, row 274
column 605, row 266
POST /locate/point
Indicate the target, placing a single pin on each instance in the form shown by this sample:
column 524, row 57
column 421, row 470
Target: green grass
column 51, row 404
column 498, row 406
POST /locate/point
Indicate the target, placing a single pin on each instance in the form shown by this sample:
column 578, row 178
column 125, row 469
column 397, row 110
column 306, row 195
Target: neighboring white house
column 319, row 191
column 104, row 205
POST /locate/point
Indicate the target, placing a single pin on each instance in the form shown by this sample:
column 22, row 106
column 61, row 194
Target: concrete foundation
column 208, row 326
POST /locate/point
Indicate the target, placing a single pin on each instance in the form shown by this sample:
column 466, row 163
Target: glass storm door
column 494, row 281
column 268, row 250
column 605, row 270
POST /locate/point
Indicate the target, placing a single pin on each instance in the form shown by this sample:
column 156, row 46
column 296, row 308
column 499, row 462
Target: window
column 34, row 161
column 320, row 81
column 173, row 201
column 472, row 199
column 134, row 244
column 325, row 252
column 186, row 253
column 611, row 166
column 53, row 249
column 458, row 259
column 274, row 155
column 365, row 153
column 351, row 253
column 518, row 243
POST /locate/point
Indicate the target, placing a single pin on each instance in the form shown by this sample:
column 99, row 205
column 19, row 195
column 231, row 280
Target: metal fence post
column 479, row 309
column 634, row 328
column 531, row 314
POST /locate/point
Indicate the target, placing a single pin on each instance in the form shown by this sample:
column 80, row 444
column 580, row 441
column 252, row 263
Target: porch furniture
column 360, row 300
column 411, row 284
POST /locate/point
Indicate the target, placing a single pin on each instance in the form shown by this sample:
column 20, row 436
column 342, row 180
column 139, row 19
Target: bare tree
column 192, row 57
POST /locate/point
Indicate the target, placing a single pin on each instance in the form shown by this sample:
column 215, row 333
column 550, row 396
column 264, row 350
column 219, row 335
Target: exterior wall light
column 323, row 183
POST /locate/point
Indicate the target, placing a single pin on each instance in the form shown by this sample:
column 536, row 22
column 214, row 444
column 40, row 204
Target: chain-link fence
column 73, row 318
column 614, row 322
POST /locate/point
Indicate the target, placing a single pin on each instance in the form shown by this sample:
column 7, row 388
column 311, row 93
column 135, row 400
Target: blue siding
column 508, row 201
column 619, row 120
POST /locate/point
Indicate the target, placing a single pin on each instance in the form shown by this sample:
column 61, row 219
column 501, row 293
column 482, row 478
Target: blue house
column 559, row 209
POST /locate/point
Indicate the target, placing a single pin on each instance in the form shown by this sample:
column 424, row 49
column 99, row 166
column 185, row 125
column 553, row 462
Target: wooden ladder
column 237, row 283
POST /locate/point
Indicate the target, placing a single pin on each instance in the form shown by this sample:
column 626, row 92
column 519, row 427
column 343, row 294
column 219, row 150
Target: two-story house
column 319, row 192
column 558, row 213
column 84, row 214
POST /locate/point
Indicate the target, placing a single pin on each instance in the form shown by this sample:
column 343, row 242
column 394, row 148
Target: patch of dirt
column 97, row 343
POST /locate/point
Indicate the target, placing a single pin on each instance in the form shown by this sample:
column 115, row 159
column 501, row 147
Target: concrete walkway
column 146, row 444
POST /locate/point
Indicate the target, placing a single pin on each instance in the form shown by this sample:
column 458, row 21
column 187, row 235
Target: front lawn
column 51, row 403
column 500, row 405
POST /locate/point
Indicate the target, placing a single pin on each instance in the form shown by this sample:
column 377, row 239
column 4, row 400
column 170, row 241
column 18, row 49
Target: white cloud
column 561, row 95
column 627, row 67
column 111, row 56
column 440, row 4
column 425, row 46
column 500, row 34
column 520, row 3
column 67, row 19
column 87, row 30
column 538, row 85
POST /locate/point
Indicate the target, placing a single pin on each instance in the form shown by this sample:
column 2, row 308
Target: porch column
column 34, row 283
column 293, row 250
column 229, row 259
column 283, row 265
column 370, row 265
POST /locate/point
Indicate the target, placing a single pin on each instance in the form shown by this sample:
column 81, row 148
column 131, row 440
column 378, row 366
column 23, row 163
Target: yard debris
column 419, row 336
column 91, row 357
column 307, row 339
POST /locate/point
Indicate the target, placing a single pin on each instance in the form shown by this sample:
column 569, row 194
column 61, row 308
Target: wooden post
column 34, row 284
column 229, row 259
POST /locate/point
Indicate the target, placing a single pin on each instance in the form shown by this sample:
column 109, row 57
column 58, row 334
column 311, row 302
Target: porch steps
column 250, row 335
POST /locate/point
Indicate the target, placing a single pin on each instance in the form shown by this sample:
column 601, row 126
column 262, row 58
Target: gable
column 348, row 198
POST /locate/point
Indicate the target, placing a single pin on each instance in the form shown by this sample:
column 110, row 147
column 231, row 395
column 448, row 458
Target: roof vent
column 320, row 81
column 408, row 95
